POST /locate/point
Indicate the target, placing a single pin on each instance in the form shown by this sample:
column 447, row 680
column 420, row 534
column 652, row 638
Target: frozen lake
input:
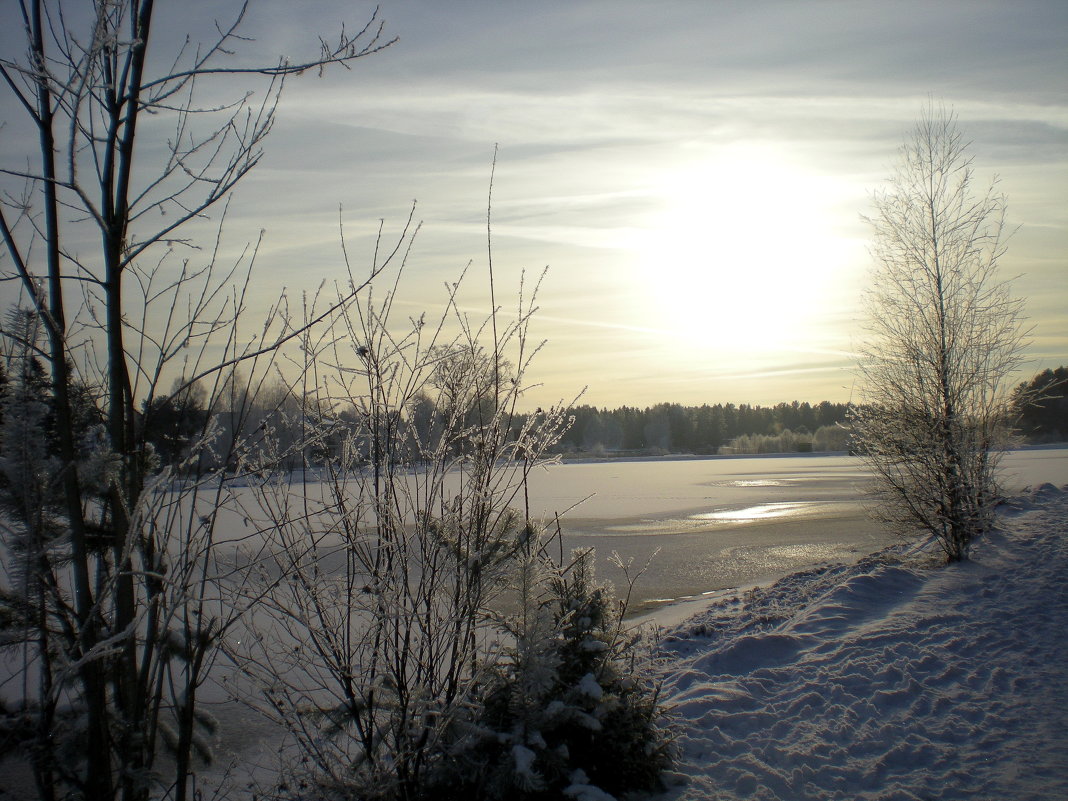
column 733, row 521
column 717, row 522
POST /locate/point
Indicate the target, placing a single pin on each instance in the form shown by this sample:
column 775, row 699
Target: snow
column 589, row 686
column 524, row 764
column 581, row 790
column 892, row 678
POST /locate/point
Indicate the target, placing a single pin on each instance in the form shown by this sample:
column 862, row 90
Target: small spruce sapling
column 568, row 713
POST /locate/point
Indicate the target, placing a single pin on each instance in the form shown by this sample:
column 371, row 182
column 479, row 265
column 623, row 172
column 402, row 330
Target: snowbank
column 887, row 679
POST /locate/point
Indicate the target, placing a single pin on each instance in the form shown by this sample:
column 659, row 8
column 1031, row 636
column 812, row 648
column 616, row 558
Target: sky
column 694, row 175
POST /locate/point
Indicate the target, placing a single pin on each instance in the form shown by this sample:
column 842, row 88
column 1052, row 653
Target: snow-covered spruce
column 568, row 713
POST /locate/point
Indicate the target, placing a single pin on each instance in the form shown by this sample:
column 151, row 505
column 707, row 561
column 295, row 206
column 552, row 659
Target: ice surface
column 729, row 522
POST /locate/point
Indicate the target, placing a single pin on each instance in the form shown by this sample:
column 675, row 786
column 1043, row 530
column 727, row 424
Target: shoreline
column 698, row 562
column 609, row 458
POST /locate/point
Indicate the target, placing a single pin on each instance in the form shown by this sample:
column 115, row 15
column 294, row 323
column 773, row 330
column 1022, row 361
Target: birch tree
column 944, row 336
column 115, row 624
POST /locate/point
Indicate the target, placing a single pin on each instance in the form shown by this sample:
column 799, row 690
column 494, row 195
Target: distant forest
column 708, row 429
column 783, row 428
column 172, row 423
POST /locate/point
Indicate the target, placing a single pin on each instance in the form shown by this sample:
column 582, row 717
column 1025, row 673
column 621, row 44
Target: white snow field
column 891, row 678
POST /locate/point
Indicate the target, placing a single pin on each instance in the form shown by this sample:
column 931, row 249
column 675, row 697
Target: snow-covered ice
column 892, row 678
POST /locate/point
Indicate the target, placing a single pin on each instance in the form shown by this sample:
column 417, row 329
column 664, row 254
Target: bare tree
column 944, row 335
column 371, row 649
column 119, row 620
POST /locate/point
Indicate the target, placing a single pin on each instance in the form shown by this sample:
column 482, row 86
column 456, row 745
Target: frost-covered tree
column 28, row 499
column 1040, row 406
column 466, row 384
column 98, row 220
column 943, row 338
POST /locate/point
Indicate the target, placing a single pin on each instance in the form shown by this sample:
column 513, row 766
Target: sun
column 742, row 251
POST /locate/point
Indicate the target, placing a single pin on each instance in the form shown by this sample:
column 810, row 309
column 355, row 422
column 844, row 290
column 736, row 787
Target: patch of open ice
column 760, row 512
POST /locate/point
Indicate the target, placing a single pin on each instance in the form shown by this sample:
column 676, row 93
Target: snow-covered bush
column 568, row 712
column 831, row 438
column 786, row 441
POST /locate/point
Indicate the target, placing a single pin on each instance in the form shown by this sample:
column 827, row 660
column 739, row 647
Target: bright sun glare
column 743, row 252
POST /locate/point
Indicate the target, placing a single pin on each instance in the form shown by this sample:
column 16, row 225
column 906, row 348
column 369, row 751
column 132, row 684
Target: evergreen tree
column 1041, row 406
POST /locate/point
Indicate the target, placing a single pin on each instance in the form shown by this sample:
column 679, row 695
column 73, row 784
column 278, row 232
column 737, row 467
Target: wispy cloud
column 606, row 113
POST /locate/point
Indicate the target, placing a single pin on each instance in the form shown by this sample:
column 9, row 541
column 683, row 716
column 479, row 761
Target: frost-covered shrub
column 374, row 639
column 567, row 713
column 831, row 438
column 786, row 441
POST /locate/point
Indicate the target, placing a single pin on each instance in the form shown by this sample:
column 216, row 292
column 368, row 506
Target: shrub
column 568, row 711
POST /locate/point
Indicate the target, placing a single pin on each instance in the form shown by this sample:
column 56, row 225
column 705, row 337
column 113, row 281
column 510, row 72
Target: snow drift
column 893, row 678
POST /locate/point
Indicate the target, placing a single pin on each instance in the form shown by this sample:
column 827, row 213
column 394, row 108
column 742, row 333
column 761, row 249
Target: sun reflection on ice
column 764, row 511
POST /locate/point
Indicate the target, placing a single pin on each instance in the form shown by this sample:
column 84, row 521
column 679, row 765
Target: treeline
column 1040, row 412
column 708, row 429
column 173, row 423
